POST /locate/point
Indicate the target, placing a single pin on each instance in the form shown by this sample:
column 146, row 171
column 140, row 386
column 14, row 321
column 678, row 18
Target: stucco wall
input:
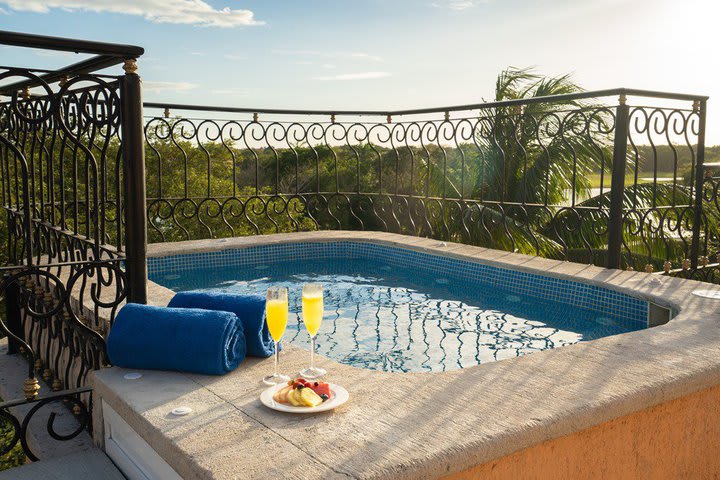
column 679, row 439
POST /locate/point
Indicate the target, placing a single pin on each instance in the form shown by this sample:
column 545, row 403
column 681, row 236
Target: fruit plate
column 338, row 396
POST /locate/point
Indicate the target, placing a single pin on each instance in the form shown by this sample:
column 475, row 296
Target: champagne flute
column 276, row 316
column 312, row 311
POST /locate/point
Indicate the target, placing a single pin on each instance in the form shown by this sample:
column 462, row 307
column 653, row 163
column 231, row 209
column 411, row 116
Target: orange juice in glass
column 312, row 312
column 276, row 317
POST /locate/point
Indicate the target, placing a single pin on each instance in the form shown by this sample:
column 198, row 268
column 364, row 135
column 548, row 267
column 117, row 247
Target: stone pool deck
column 423, row 425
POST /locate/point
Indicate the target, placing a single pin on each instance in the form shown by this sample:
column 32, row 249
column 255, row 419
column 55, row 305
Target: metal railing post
column 133, row 153
column 699, row 183
column 617, row 188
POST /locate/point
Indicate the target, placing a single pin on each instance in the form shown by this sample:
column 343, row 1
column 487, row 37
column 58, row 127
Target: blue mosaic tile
column 510, row 281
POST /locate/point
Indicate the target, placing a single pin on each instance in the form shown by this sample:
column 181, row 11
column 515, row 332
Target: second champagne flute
column 312, row 311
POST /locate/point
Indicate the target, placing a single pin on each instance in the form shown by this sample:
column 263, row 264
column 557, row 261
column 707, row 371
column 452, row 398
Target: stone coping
column 422, row 425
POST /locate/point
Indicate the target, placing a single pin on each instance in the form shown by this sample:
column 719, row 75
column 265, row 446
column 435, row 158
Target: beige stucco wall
column 679, row 439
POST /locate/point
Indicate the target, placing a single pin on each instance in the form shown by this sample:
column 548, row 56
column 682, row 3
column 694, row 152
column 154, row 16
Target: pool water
column 401, row 319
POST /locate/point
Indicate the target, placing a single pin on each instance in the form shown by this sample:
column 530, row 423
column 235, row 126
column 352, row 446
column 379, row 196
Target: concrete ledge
column 424, row 425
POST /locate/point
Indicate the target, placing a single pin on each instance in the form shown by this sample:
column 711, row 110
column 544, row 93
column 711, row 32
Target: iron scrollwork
column 18, row 430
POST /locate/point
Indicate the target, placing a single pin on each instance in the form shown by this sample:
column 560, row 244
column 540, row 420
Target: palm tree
column 531, row 163
column 531, row 190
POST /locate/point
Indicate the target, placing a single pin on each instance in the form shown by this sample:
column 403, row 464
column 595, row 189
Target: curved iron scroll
column 20, row 429
column 65, row 312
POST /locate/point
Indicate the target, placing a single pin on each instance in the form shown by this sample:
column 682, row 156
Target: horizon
column 377, row 55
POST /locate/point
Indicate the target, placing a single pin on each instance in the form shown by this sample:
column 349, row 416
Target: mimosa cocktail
column 312, row 311
column 276, row 316
column 312, row 308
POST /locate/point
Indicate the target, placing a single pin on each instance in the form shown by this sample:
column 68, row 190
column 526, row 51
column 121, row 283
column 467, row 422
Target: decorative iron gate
column 71, row 159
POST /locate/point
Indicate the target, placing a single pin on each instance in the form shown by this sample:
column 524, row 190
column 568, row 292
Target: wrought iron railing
column 17, row 429
column 513, row 175
column 70, row 147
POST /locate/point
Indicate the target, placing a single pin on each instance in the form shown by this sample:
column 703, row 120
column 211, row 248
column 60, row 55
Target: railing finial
column 167, row 112
column 389, row 118
column 63, row 81
column 696, row 106
column 622, row 100
column 255, row 117
column 332, row 118
column 130, row 66
column 447, row 116
column 31, row 388
column 25, row 93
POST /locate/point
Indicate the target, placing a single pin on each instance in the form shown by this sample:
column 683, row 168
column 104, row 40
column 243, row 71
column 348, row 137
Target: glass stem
column 312, row 353
column 277, row 355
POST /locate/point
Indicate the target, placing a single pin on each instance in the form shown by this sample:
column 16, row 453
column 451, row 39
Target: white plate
column 338, row 396
column 714, row 294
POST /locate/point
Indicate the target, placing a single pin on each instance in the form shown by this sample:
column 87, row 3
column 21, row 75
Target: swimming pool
column 401, row 310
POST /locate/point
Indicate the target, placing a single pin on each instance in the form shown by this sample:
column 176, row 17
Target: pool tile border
column 573, row 293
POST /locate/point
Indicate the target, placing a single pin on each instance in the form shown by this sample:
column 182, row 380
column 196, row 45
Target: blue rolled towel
column 250, row 309
column 183, row 339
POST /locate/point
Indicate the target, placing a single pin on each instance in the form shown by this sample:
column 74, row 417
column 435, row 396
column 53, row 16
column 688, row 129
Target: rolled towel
column 250, row 309
column 182, row 339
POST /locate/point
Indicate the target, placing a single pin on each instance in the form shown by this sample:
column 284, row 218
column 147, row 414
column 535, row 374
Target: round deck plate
column 181, row 411
column 338, row 396
column 714, row 294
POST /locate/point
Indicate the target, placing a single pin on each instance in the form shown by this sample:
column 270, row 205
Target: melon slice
column 293, row 398
column 308, row 398
column 322, row 388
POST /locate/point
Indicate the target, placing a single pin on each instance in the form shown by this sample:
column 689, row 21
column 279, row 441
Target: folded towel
column 250, row 309
column 183, row 339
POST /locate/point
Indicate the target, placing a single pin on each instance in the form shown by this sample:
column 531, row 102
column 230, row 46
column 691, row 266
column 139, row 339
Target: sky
column 384, row 54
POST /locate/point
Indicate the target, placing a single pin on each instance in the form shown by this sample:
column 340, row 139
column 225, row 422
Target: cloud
column 457, row 4
column 4, row 12
column 185, row 12
column 365, row 56
column 317, row 53
column 233, row 56
column 234, row 92
column 150, row 86
column 354, row 76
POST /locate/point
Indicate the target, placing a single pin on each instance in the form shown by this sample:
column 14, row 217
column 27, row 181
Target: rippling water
column 394, row 319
